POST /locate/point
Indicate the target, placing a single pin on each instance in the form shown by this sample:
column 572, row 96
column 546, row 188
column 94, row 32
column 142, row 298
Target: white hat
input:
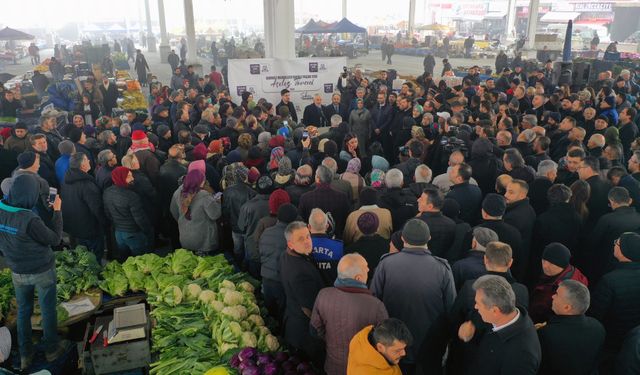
column 444, row 115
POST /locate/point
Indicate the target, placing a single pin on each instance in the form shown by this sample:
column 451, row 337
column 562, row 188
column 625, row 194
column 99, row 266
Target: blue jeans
column 45, row 284
column 136, row 243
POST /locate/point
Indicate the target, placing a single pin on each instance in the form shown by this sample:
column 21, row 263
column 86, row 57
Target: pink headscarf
column 198, row 165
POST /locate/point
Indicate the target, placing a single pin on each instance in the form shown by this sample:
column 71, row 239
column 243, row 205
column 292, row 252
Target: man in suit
column 109, row 94
column 314, row 113
column 381, row 114
column 336, row 107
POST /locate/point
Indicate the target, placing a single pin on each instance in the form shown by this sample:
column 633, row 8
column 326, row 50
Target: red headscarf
column 119, row 176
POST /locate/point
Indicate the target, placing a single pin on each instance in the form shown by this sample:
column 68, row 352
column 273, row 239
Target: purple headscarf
column 190, row 187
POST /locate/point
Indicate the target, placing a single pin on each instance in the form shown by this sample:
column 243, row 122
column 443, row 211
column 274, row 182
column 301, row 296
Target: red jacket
column 541, row 297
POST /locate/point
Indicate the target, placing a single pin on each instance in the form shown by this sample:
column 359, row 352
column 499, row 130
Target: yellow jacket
column 365, row 359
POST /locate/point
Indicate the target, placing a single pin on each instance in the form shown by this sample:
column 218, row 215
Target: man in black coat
column 570, row 341
column 493, row 209
column 497, row 260
column 336, row 108
column 327, row 199
column 82, row 211
column 301, row 281
column 512, row 347
column 286, row 102
column 314, row 113
column 109, row 95
column 615, row 301
column 624, row 218
column 538, row 188
column 472, row 266
column 402, row 204
column 381, row 117
column 560, row 223
column 468, row 196
column 47, row 167
column 443, row 229
column 521, row 215
column 168, row 182
column 628, row 130
column 597, row 204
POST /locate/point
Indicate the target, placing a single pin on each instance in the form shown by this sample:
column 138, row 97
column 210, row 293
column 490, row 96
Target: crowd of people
column 489, row 227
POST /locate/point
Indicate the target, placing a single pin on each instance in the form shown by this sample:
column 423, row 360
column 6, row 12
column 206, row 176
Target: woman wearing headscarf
column 285, row 174
column 196, row 212
column 125, row 210
column 276, row 154
column 352, row 175
column 360, row 125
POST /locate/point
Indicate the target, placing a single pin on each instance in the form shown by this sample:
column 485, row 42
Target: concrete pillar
column 190, row 27
column 151, row 40
column 164, row 40
column 344, row 8
column 509, row 32
column 412, row 18
column 279, row 29
column 532, row 26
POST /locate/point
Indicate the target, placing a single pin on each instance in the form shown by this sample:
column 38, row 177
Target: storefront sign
column 593, row 7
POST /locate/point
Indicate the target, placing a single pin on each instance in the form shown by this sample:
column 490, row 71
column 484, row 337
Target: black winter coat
column 469, row 197
column 570, row 345
column 443, row 233
column 598, row 202
column 103, row 177
column 508, row 234
column 512, row 350
column 82, row 210
column 610, row 226
column 327, row 199
column 124, row 208
column 538, row 189
column 615, row 302
column 232, row 199
column 169, row 180
column 402, row 204
column 485, row 171
column 522, row 216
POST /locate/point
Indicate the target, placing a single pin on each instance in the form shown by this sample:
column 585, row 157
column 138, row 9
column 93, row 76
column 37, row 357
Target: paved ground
column 403, row 64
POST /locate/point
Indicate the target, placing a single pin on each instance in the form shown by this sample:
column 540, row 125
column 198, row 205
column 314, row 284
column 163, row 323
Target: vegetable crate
column 118, row 357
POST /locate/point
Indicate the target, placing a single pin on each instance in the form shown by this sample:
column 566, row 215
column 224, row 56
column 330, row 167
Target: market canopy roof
column 434, row 27
column 344, row 26
column 12, row 34
column 559, row 16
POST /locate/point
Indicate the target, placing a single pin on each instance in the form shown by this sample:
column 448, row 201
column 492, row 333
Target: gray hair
column 336, row 120
column 423, row 173
column 531, row 119
column 429, row 116
column 264, row 137
column 324, row 174
column 330, row 163
column 293, row 226
column 125, row 130
column 127, row 160
column 75, row 160
column 104, row 156
column 483, row 236
column 546, row 166
column 393, row 178
column 577, row 295
column 497, row 292
column 66, row 147
column 104, row 136
column 353, row 269
column 318, row 220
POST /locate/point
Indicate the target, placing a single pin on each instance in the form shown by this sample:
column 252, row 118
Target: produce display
column 76, row 271
column 250, row 361
column 203, row 311
column 133, row 99
column 6, row 292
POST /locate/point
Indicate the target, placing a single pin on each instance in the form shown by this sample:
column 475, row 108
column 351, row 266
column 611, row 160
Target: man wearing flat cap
column 615, row 301
column 415, row 287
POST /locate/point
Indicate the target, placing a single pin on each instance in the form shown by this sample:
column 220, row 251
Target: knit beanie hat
column 162, row 130
column 234, row 157
column 119, row 176
column 199, row 152
column 138, row 135
column 494, row 205
column 277, row 199
column 287, row 213
column 277, row 141
column 264, row 185
column 610, row 100
column 253, row 175
column 557, row 254
column 416, row 232
column 26, row 159
column 75, row 134
column 630, row 246
column 368, row 223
